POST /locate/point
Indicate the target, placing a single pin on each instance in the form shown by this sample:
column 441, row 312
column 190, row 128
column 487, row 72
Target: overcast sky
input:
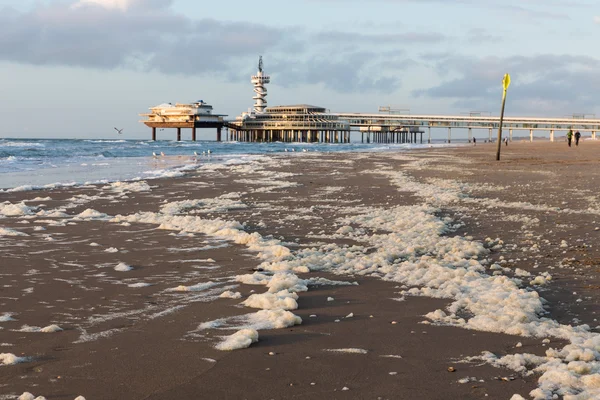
column 78, row 68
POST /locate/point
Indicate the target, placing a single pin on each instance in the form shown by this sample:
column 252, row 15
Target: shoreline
column 163, row 354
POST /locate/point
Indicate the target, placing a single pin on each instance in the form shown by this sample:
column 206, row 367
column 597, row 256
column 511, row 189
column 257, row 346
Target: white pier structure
column 383, row 126
column 259, row 81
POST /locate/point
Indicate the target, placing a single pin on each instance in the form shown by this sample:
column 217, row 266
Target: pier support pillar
column 421, row 137
column 179, row 134
column 194, row 134
column 154, row 134
column 531, row 135
column 219, row 134
column 510, row 131
column 593, row 135
column 552, row 135
column 449, row 134
column 470, row 135
column 490, row 136
column 429, row 134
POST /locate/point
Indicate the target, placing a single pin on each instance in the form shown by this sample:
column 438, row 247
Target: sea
column 27, row 164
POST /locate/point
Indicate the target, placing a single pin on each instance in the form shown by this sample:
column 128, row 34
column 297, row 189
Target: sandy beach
column 431, row 274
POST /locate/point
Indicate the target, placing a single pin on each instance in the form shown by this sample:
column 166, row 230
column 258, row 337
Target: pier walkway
column 383, row 127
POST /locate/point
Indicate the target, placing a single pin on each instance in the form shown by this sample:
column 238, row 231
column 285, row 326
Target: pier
column 305, row 123
column 388, row 123
column 197, row 115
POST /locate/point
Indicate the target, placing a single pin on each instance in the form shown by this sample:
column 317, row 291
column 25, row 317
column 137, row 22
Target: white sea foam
column 348, row 350
column 228, row 294
column 194, row 288
column 122, row 267
column 139, row 285
column 47, row 329
column 239, row 340
column 9, row 209
column 11, row 359
column 6, row 317
column 11, row 232
column 123, row 187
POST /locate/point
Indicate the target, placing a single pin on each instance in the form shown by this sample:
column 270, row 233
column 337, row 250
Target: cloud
column 553, row 84
column 357, row 71
column 148, row 35
column 379, row 38
column 142, row 34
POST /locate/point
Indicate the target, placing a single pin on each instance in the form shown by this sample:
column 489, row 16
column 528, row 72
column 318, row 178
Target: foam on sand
column 29, row 396
column 9, row 209
column 122, row 267
column 194, row 288
column 124, row 187
column 11, row 232
column 283, row 299
column 6, row 317
column 240, row 340
column 11, row 359
column 348, row 350
column 228, row 294
column 47, row 329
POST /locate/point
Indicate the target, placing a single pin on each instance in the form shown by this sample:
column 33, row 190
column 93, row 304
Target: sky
column 79, row 68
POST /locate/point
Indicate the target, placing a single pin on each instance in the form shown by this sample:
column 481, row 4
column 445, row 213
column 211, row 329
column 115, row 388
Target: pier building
column 293, row 123
column 192, row 116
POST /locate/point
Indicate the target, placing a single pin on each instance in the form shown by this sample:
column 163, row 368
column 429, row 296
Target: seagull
column 119, row 130
column 196, row 153
column 154, row 155
column 162, row 154
column 208, row 151
column 293, row 149
column 285, row 150
column 305, row 150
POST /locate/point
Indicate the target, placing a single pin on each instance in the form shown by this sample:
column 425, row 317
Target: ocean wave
column 106, row 141
column 22, row 144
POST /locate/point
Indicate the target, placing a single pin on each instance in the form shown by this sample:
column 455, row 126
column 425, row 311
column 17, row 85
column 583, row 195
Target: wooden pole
column 154, row 134
column 505, row 84
column 193, row 133
column 179, row 134
column 499, row 145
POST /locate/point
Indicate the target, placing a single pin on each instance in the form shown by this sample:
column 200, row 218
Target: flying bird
column 119, row 130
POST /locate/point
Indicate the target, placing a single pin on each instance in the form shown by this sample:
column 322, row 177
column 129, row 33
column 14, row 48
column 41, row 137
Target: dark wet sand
column 148, row 356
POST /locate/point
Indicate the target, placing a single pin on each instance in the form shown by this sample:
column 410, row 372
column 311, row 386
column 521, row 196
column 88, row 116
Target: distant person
column 569, row 137
column 506, row 141
column 474, row 142
column 577, row 136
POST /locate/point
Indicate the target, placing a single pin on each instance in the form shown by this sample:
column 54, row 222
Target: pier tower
column 259, row 81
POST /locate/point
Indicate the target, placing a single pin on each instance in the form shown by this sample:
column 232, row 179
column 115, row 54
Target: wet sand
column 122, row 342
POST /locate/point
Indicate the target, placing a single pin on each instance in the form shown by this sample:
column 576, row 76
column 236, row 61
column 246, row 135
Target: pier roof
column 296, row 108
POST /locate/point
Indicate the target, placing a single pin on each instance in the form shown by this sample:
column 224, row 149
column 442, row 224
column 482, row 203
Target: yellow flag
column 506, row 81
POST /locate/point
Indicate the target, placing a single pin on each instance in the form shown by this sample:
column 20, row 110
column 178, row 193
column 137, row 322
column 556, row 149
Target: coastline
column 145, row 341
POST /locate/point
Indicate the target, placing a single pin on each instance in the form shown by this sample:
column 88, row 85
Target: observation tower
column 259, row 81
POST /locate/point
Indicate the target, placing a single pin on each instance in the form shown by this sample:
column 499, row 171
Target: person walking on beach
column 506, row 141
column 569, row 136
column 577, row 136
column 474, row 142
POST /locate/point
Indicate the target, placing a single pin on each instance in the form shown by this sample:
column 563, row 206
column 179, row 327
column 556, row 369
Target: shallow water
column 39, row 162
